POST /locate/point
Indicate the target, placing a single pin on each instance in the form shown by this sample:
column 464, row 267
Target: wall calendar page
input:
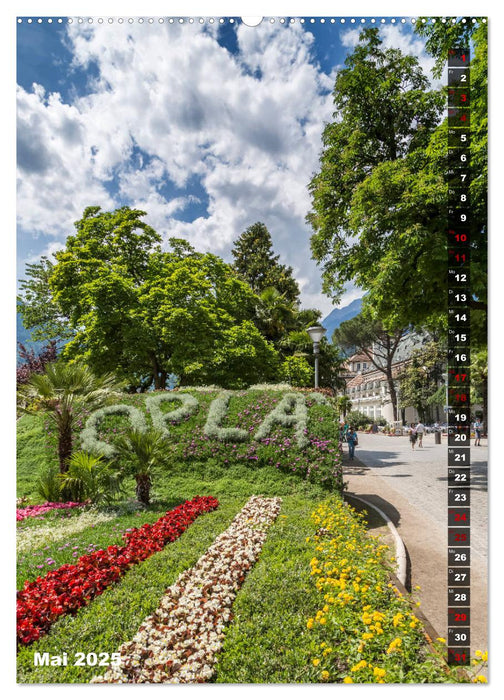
column 252, row 365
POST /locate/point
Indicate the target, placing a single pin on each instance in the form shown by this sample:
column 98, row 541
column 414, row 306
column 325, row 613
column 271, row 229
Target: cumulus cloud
column 247, row 124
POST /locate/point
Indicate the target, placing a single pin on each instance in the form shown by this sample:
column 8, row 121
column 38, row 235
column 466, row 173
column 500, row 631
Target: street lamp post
column 316, row 333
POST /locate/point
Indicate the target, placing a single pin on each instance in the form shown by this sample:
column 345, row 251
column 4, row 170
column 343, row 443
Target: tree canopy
column 144, row 313
column 379, row 345
column 379, row 200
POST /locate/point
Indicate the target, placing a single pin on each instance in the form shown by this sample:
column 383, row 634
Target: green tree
column 143, row 313
column 371, row 155
column 62, row 392
column 379, row 345
column 275, row 315
column 256, row 263
column 420, row 379
column 36, row 305
column 140, row 454
column 297, row 371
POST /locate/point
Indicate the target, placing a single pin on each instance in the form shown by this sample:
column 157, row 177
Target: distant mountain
column 337, row 316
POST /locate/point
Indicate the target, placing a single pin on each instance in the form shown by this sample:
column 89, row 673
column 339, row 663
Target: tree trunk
column 143, row 485
column 392, row 390
column 64, row 447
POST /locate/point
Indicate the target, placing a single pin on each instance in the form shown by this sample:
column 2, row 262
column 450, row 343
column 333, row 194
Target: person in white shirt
column 420, row 429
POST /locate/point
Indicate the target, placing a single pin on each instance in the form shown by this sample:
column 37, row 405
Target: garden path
column 411, row 487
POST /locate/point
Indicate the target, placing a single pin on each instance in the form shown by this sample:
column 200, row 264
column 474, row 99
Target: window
column 358, row 366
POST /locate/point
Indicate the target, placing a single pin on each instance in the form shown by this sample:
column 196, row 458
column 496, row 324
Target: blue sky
column 207, row 127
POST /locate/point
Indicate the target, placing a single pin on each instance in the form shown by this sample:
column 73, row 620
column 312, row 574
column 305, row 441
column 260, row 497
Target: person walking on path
column 477, row 433
column 412, row 436
column 352, row 440
column 420, row 429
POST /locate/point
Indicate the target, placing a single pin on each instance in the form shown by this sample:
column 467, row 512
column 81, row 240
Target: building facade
column 368, row 387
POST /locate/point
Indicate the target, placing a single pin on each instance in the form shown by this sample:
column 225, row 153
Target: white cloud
column 248, row 126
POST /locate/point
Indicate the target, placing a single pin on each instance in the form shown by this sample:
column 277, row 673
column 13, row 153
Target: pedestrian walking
column 420, row 429
column 477, row 433
column 412, row 436
column 352, row 441
column 345, row 431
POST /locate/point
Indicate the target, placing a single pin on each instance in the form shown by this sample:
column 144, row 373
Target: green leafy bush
column 90, row 478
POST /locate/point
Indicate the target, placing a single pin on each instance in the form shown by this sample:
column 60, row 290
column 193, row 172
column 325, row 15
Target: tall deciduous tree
column 366, row 230
column 376, row 343
column 420, row 379
column 144, row 313
column 255, row 262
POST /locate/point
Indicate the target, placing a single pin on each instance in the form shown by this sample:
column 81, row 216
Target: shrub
column 49, row 486
column 297, row 371
column 357, row 419
column 90, row 441
column 90, row 478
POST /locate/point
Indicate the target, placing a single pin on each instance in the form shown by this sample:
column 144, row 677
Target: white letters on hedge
column 160, row 420
column 291, row 411
column 216, row 415
column 89, row 436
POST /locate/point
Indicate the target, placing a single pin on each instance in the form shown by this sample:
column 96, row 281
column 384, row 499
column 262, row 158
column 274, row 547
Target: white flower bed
column 180, row 641
column 36, row 537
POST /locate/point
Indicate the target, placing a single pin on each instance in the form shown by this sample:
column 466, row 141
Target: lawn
column 267, row 636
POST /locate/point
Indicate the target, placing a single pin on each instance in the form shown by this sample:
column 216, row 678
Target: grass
column 114, row 617
column 268, row 640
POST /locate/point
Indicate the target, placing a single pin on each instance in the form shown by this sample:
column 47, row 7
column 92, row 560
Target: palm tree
column 62, row 392
column 90, row 477
column 276, row 315
column 138, row 454
column 344, row 405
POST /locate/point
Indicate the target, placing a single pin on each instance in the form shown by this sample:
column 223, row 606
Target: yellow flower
column 347, row 679
column 324, row 675
column 367, row 635
column 412, row 624
column 480, row 679
column 443, row 641
column 315, row 662
column 309, row 624
column 359, row 665
column 394, row 645
column 379, row 672
column 322, row 620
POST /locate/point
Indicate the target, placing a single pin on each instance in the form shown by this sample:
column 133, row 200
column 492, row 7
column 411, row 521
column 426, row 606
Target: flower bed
column 365, row 630
column 64, row 590
column 32, row 538
column 36, row 511
column 180, row 641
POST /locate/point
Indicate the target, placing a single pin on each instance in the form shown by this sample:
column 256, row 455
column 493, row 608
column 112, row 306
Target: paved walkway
column 411, row 487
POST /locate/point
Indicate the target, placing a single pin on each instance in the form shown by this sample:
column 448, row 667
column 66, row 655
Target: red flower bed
column 72, row 586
